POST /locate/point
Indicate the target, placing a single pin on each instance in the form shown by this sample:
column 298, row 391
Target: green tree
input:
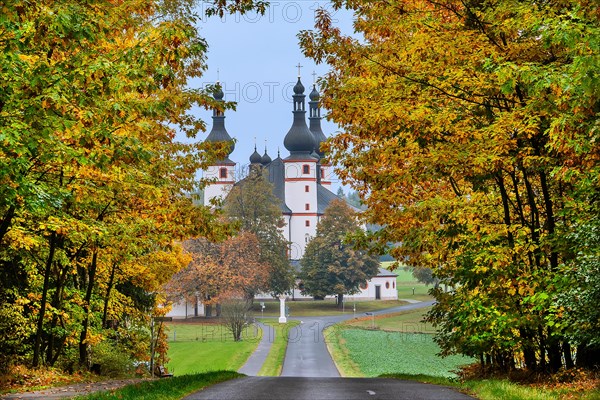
column 424, row 275
column 333, row 265
column 92, row 180
column 469, row 129
column 253, row 206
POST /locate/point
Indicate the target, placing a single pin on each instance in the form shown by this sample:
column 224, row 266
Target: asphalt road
column 307, row 353
column 276, row 388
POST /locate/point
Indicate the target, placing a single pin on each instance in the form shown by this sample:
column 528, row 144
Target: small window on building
column 387, row 285
column 307, row 223
column 323, row 174
column 307, row 206
column 364, row 285
column 306, row 169
column 394, row 285
column 307, row 188
column 223, row 172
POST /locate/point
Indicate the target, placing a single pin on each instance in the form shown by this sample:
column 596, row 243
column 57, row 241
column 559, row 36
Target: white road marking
column 371, row 392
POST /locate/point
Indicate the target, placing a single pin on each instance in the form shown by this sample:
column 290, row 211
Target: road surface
column 295, row 388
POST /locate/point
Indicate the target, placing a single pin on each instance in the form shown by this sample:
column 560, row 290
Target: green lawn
column 374, row 353
column 307, row 308
column 278, row 335
column 196, row 348
column 203, row 332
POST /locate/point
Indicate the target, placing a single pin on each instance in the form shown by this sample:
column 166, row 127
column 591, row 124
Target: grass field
column 405, row 321
column 274, row 361
column 305, row 308
column 196, row 348
column 377, row 352
column 205, row 332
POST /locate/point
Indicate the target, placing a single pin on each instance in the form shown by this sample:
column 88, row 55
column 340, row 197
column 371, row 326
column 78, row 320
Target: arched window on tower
column 223, row 173
column 322, row 174
column 306, row 169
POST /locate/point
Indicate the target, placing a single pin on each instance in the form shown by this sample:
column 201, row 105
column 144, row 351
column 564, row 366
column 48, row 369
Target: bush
column 14, row 331
column 109, row 359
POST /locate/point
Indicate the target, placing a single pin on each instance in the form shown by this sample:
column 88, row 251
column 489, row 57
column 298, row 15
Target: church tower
column 323, row 170
column 300, row 177
column 222, row 171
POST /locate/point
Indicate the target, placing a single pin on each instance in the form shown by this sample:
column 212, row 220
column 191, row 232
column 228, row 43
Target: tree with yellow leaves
column 469, row 129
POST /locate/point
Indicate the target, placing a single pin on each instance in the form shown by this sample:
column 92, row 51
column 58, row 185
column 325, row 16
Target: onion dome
column 255, row 158
column 299, row 87
column 314, row 95
column 218, row 132
column 265, row 159
column 218, row 94
column 299, row 139
column 315, row 121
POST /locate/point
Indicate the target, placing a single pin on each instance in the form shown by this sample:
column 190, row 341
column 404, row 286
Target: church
column 301, row 181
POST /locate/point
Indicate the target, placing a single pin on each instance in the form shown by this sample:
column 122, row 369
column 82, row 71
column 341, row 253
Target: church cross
column 314, row 74
column 299, row 66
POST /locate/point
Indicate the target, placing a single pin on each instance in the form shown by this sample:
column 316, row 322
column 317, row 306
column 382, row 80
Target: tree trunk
column 57, row 305
column 40, row 322
column 83, row 347
column 528, row 351
column 566, row 347
column 340, row 300
column 111, row 281
column 6, row 222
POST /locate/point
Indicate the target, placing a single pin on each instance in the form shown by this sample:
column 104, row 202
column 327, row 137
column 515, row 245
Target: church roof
column 255, row 158
column 276, row 170
column 324, row 198
column 265, row 159
column 299, row 139
column 219, row 133
column 384, row 273
column 315, row 122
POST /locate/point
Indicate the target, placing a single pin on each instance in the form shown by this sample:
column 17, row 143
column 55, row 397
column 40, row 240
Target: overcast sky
column 256, row 58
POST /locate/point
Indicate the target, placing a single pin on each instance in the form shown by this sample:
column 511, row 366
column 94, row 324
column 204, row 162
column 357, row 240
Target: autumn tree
column 92, row 181
column 220, row 268
column 252, row 205
column 469, row 130
column 333, row 265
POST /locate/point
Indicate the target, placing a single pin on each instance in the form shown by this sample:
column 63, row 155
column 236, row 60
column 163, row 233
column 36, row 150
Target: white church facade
column 301, row 181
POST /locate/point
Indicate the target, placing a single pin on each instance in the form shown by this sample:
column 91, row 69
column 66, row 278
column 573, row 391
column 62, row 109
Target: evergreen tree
column 331, row 265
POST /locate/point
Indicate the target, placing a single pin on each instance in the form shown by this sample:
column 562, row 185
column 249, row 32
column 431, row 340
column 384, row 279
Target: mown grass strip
column 274, row 362
column 165, row 389
column 502, row 389
column 336, row 345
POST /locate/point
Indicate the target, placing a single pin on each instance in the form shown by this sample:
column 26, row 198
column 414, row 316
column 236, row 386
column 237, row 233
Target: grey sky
column 256, row 58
